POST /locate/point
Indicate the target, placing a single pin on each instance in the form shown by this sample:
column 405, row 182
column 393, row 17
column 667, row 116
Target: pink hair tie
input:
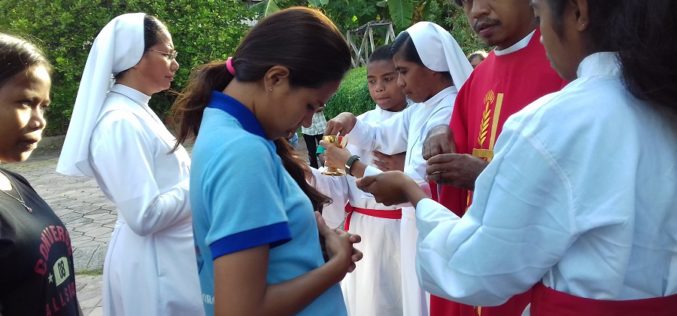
column 229, row 66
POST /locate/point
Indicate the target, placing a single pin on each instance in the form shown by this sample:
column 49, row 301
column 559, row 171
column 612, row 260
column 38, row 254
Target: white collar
column 599, row 64
column 515, row 47
column 135, row 95
column 440, row 96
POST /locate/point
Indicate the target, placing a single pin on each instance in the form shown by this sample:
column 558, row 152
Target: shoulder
column 589, row 106
column 370, row 115
column 16, row 177
column 116, row 114
column 237, row 153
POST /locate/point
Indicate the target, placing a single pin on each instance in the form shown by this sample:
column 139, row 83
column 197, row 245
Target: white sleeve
column 122, row 155
column 389, row 136
column 371, row 171
column 520, row 224
column 337, row 189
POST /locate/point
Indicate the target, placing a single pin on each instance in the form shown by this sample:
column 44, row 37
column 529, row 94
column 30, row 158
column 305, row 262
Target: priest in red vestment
column 514, row 74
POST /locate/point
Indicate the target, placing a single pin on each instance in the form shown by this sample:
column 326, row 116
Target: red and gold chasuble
column 499, row 87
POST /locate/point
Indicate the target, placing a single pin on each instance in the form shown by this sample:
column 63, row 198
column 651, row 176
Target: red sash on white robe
column 546, row 302
column 392, row 214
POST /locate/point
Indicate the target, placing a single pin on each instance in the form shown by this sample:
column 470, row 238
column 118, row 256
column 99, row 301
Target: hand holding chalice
column 334, row 153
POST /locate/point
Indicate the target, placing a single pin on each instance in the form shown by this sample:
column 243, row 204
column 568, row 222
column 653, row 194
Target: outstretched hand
column 459, row 170
column 342, row 123
column 392, row 187
column 438, row 141
column 339, row 244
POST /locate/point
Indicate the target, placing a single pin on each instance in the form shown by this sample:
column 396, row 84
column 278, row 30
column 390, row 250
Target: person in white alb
column 115, row 137
column 374, row 288
column 431, row 67
column 583, row 184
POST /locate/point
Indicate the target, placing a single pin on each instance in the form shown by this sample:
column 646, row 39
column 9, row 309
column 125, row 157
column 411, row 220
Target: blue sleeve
column 243, row 198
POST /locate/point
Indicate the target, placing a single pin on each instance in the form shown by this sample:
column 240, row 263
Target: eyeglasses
column 168, row 55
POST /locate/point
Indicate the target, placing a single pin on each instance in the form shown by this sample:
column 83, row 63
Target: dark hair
column 382, row 53
column 17, row 55
column 152, row 28
column 301, row 39
column 300, row 172
column 638, row 34
column 405, row 45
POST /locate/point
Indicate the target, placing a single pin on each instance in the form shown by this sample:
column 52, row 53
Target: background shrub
column 202, row 30
column 352, row 95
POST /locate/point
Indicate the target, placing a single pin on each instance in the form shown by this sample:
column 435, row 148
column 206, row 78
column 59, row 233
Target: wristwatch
column 350, row 162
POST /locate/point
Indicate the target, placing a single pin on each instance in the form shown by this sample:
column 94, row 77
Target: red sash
column 392, row 214
column 547, row 301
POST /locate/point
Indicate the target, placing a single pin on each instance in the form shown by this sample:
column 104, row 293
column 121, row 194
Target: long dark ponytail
column 301, row 39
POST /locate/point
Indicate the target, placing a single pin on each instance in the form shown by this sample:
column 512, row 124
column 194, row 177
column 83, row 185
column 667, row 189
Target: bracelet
column 350, row 162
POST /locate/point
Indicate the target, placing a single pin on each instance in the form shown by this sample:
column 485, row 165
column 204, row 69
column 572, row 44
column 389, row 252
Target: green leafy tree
column 203, row 30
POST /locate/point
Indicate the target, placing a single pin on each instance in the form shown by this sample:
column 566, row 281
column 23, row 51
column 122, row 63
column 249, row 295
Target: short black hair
column 382, row 53
column 17, row 55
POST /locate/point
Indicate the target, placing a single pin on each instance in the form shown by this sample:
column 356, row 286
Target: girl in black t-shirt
column 37, row 275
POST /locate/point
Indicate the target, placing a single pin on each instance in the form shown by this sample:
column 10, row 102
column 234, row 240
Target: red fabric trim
column 391, row 214
column 547, row 301
column 513, row 307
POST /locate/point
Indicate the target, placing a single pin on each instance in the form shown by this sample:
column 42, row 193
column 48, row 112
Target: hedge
column 202, row 30
column 352, row 95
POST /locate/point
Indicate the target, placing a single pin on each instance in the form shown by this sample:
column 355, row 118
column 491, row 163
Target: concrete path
column 89, row 216
column 85, row 211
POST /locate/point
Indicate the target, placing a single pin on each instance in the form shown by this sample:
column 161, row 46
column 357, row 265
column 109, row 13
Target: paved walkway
column 88, row 215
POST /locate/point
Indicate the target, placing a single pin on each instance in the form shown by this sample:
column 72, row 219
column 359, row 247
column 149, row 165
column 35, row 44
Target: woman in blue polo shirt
column 255, row 230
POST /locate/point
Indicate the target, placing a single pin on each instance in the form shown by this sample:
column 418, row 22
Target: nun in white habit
column 150, row 266
column 432, row 67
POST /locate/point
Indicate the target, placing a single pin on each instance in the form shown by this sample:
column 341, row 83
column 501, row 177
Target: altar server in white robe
column 583, row 184
column 375, row 288
column 431, row 67
column 115, row 137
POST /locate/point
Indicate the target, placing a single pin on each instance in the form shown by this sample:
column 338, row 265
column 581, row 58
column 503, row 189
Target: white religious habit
column 590, row 214
column 114, row 136
column 406, row 131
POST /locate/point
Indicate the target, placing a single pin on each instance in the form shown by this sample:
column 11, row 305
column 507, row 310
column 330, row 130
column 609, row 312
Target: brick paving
column 89, row 216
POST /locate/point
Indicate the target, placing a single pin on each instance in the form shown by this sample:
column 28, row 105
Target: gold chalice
column 337, row 140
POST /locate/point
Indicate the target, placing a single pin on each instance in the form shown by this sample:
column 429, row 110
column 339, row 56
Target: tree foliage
column 352, row 95
column 202, row 30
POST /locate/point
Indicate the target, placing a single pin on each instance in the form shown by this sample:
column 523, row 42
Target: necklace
column 19, row 199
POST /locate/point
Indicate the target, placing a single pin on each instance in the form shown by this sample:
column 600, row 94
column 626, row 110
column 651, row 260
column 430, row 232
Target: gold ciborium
column 337, row 140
